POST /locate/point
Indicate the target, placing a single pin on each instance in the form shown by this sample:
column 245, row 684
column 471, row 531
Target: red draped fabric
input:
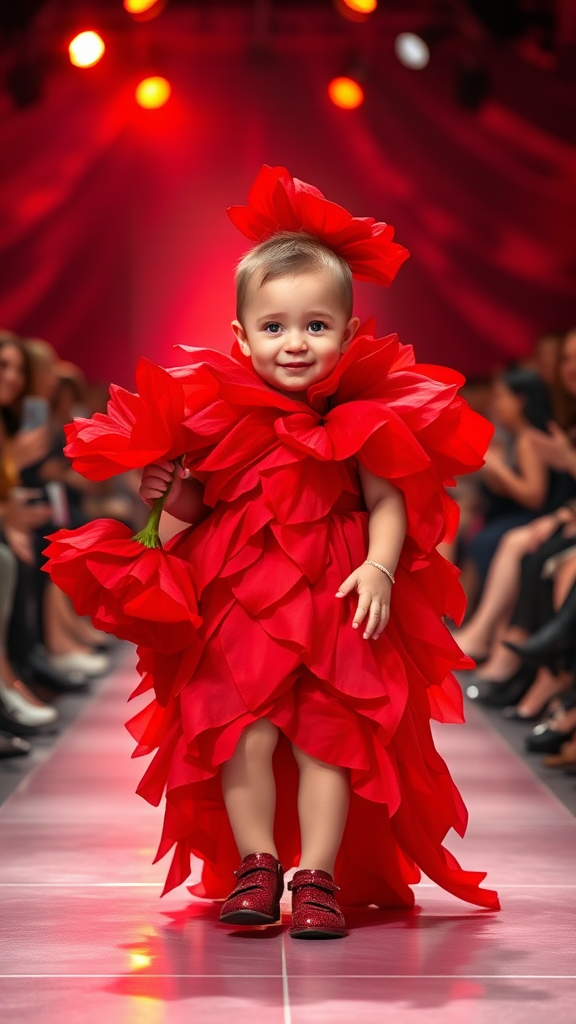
column 115, row 241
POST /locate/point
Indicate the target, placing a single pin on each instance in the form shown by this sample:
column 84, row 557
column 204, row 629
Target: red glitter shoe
column 315, row 913
column 256, row 898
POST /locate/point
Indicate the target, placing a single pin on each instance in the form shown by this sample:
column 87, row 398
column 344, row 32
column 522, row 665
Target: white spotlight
column 411, row 51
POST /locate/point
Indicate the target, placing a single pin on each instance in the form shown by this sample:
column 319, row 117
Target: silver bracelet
column 368, row 561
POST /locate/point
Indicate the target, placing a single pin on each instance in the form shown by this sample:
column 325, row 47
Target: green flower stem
column 149, row 536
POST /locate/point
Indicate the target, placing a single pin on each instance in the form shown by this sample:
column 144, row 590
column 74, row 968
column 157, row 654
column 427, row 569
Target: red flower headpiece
column 279, row 202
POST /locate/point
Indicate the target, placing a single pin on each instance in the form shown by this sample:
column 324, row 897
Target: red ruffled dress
column 288, row 526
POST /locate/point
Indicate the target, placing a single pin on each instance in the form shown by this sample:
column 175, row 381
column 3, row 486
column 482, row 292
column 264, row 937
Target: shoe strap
column 312, row 877
column 258, row 862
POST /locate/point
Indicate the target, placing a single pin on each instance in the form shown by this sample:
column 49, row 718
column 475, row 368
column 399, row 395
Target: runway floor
column 86, row 939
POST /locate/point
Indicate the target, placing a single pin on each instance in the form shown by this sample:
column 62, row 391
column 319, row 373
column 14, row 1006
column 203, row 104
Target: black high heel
column 512, row 714
column 496, row 694
column 13, row 746
column 554, row 641
column 568, row 702
column 545, row 740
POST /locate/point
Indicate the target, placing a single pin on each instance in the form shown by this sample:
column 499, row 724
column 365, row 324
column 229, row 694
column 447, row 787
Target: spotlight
column 355, row 10
column 153, row 92
column 86, row 49
column 138, row 6
column 144, row 10
column 345, row 92
column 361, row 6
column 411, row 51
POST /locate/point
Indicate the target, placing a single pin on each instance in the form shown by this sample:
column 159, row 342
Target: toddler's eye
column 273, row 328
column 315, row 326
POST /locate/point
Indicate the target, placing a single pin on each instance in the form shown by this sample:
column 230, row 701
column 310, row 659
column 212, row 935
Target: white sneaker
column 80, row 665
column 25, row 708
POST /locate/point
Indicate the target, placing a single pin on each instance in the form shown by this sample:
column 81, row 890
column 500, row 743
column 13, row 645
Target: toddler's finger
column 384, row 616
column 150, row 499
column 348, row 585
column 373, row 618
column 160, row 473
column 165, row 464
column 156, row 481
column 361, row 611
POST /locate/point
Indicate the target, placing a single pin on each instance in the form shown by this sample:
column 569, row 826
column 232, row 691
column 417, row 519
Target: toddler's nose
column 295, row 342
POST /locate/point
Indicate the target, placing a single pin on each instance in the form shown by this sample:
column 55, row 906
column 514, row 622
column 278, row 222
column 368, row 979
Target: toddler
column 295, row 729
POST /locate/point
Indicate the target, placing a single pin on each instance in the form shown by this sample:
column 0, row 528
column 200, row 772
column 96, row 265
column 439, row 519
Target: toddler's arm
column 186, row 498
column 387, row 530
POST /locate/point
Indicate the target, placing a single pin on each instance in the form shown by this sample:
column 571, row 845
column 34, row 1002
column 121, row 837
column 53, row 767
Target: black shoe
column 512, row 714
column 13, row 746
column 544, row 740
column 59, row 682
column 553, row 642
column 495, row 694
column 10, row 725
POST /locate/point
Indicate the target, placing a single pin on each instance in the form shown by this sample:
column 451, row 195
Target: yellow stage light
column 144, row 10
column 345, row 93
column 138, row 6
column 153, row 92
column 362, row 6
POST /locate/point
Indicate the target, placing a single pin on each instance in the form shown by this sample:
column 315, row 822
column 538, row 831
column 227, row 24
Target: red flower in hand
column 127, row 585
column 139, row 428
column 278, row 202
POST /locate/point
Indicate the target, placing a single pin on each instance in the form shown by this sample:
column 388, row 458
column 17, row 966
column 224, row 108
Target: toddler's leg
column 249, row 789
column 323, row 800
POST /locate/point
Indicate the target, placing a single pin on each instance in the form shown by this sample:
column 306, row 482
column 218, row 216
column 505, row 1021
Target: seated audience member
column 528, row 580
column 66, row 656
column 18, row 521
column 552, row 651
column 11, row 744
column 544, row 356
column 27, row 447
column 516, row 481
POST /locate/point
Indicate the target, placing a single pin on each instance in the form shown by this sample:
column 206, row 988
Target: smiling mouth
column 294, row 366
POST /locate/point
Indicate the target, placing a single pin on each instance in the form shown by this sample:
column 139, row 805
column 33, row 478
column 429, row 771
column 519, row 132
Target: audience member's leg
column 564, row 580
column 545, row 687
column 65, row 653
column 8, row 577
column 499, row 596
column 17, row 698
column 533, row 609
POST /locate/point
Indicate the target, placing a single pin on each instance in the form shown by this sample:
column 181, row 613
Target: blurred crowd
column 516, row 545
column 516, row 549
column 45, row 648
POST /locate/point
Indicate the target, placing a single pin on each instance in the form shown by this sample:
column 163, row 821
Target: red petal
column 279, row 203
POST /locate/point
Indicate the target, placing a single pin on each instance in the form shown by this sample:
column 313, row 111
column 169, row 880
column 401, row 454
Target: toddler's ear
column 240, row 335
column 350, row 331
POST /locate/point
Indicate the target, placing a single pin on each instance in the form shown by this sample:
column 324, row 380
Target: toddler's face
column 295, row 329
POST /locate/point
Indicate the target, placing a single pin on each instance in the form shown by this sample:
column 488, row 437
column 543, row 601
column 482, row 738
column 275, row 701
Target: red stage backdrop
column 115, row 241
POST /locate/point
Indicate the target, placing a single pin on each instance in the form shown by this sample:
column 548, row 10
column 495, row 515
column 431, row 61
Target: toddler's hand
column 373, row 587
column 156, row 479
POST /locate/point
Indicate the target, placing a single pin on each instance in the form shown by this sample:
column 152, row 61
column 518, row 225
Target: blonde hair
column 289, row 253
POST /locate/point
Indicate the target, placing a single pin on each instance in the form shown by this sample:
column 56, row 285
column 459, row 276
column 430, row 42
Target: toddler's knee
column 261, row 738
column 304, row 760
